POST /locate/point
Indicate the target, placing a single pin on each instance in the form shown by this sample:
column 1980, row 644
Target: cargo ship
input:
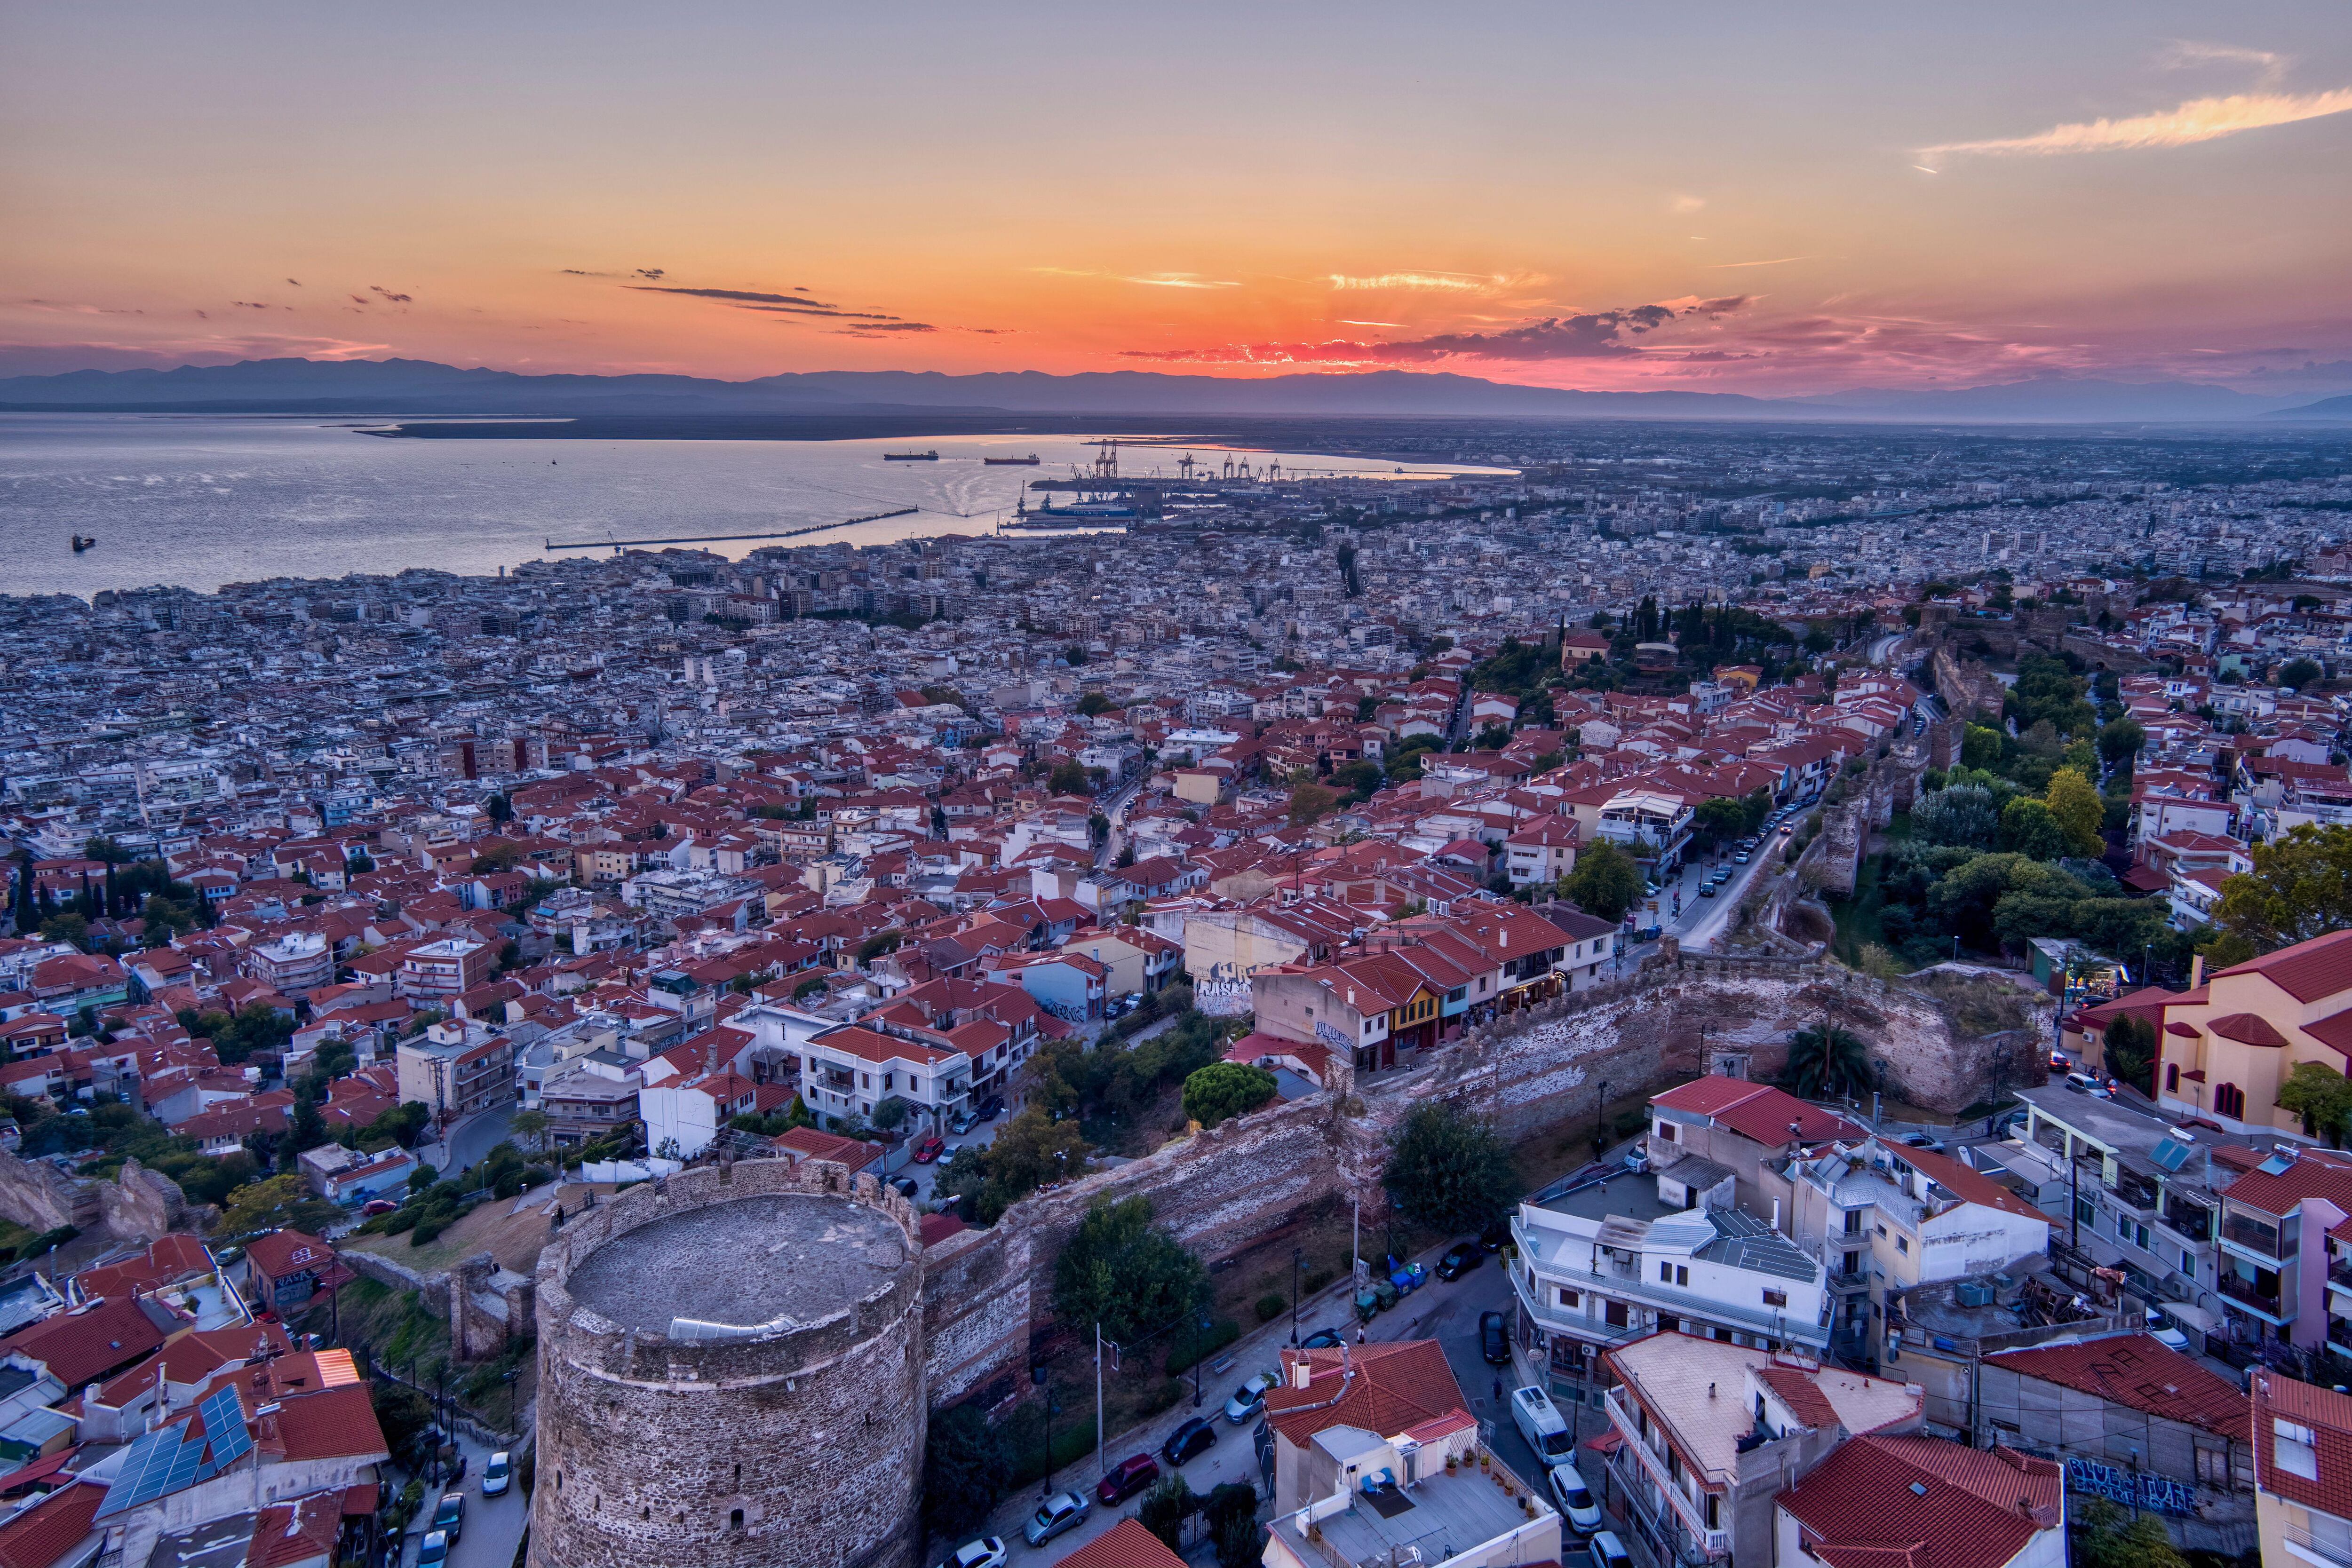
column 1028, row 462
column 910, row 457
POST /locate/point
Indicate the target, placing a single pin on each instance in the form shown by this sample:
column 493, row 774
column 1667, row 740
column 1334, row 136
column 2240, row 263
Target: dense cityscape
column 1677, row 994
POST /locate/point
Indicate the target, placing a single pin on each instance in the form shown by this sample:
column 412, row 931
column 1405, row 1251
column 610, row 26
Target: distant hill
column 421, row 388
column 2325, row 408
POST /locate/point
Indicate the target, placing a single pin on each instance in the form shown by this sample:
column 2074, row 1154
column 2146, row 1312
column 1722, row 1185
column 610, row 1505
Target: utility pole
column 1294, row 1297
column 1099, row 1408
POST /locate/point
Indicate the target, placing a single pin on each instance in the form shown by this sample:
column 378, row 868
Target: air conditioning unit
column 1973, row 1293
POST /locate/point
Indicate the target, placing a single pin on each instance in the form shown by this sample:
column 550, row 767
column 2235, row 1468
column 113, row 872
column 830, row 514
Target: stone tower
column 731, row 1375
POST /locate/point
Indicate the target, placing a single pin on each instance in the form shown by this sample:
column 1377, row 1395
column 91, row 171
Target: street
column 493, row 1524
column 1447, row 1312
column 470, row 1141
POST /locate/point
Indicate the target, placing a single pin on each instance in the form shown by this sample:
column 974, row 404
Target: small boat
column 910, row 457
column 1028, row 462
column 81, row 543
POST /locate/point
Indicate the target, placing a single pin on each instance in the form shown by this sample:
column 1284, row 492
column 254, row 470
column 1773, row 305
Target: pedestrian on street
column 1359, row 1333
column 1498, row 1391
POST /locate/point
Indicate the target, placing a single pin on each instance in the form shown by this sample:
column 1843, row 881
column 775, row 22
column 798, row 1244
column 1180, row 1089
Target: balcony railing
column 2302, row 1543
column 2339, row 1272
column 1712, row 1543
column 2238, row 1288
column 2255, row 1236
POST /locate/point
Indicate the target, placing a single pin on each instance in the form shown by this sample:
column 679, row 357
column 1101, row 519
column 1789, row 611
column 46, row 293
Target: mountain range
column 422, row 388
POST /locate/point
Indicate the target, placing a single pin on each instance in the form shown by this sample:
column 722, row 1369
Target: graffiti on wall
column 2131, row 1488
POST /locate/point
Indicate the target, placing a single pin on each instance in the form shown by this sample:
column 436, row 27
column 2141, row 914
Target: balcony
column 2339, row 1272
column 2256, row 1239
column 2244, row 1292
column 1710, row 1543
column 2333, row 1551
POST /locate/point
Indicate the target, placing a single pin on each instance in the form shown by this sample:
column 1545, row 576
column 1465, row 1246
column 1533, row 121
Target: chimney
column 1301, row 1373
column 2196, row 970
column 1776, row 1215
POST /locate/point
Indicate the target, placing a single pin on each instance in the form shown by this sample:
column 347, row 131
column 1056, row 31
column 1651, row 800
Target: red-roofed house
column 2303, row 1472
column 1740, row 1126
column 2228, row 1045
column 2178, row 1422
column 1924, row 1502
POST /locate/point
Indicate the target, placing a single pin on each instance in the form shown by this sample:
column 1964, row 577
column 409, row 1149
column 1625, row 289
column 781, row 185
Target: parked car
column 1250, row 1397
column 988, row 1552
column 1323, row 1339
column 1126, row 1478
column 434, row 1552
column 929, row 1149
column 1608, row 1552
column 991, row 1108
column 2163, row 1328
column 1494, row 1339
column 1459, row 1259
column 2083, row 1084
column 1740, row 857
column 377, row 1205
column 1707, row 890
column 1193, row 1436
column 1063, row 1511
column 1924, row 1140
column 1575, row 1499
column 497, row 1475
column 1637, row 1158
column 906, row 1186
column 964, row 1120
column 450, row 1518
column 2060, row 1065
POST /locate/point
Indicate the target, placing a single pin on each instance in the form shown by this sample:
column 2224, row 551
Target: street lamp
column 1202, row 1355
column 1600, row 1110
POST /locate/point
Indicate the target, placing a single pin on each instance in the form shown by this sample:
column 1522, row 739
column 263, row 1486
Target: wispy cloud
column 1687, row 203
column 1590, row 334
column 1149, row 279
column 1441, row 282
column 1775, row 261
column 1346, row 321
column 2199, row 119
column 2183, row 52
column 747, row 296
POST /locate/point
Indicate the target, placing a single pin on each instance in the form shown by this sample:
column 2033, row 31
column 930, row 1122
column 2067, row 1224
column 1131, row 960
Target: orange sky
column 1714, row 197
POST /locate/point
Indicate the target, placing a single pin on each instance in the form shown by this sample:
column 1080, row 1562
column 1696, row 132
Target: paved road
column 493, row 1524
column 1704, row 919
column 1447, row 1312
column 469, row 1143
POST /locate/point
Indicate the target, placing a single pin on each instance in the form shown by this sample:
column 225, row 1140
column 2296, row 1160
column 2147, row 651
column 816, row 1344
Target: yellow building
column 2228, row 1044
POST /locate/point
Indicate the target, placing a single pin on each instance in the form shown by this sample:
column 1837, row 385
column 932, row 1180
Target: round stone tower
column 730, row 1376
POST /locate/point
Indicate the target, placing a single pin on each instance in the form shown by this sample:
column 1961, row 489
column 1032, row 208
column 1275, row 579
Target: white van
column 1541, row 1424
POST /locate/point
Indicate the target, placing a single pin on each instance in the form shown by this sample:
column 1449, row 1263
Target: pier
column 719, row 539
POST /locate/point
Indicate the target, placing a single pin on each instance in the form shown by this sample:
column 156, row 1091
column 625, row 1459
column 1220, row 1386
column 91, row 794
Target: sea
column 201, row 500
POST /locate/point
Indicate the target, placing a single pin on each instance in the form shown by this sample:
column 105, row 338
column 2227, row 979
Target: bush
column 1190, row 1344
column 1166, row 1507
column 1271, row 1306
column 1223, row 1089
column 966, row 1470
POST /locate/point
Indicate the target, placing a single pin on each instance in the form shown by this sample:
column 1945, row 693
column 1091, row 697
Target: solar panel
column 140, row 1477
column 2277, row 1164
column 172, row 1458
column 2171, row 1153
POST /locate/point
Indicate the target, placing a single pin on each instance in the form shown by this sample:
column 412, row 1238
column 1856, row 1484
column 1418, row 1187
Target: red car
column 929, row 1149
column 377, row 1205
column 1126, row 1479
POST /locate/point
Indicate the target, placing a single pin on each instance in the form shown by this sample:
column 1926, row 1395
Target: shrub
column 1271, row 1306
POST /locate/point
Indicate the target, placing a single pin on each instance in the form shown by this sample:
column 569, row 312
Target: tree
column 531, row 1122
column 1960, row 814
column 1606, row 881
column 1094, row 702
column 2027, row 828
column 1981, row 746
column 1068, row 777
column 1119, row 1271
column 967, row 1469
column 1825, row 1060
column 2120, row 740
column 2321, row 1096
column 2299, row 672
column 2106, row 1536
column 2131, row 1051
column 280, row 1203
column 496, row 858
column 2075, row 806
column 501, row 809
column 1031, row 1151
column 1223, row 1089
column 1074, row 656
column 1719, row 818
column 1166, row 1507
column 1449, row 1170
column 2300, row 887
column 306, row 1129
column 1310, row 802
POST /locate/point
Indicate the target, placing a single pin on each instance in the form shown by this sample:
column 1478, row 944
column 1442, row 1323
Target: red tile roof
column 1925, row 1502
column 1758, row 1111
column 1127, row 1544
column 47, row 1531
column 2135, row 1371
column 1394, row 1387
column 2246, row 1029
column 2328, row 1417
column 78, row 1347
column 2307, row 971
column 2313, row 1173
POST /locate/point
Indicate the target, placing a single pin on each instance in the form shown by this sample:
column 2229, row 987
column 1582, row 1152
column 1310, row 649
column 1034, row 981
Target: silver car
column 1063, row 1511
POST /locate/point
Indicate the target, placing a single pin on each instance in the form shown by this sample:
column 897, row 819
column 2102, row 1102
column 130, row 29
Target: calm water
column 201, row 501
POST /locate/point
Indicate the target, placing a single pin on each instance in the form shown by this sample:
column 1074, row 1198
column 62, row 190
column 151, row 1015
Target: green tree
column 1223, row 1089
column 1068, row 777
column 1827, row 1059
column 2299, row 672
column 2321, row 1096
column 2120, row 740
column 2075, row 806
column 1094, row 702
column 1604, row 882
column 1983, row 747
column 967, row 1470
column 1073, row 656
column 2300, row 887
column 1449, row 1170
column 1309, row 803
column 2027, row 828
column 1118, row 1271
column 2106, row 1536
column 1718, row 820
column 530, row 1123
column 280, row 1203
column 2130, row 1045
column 1166, row 1507
column 1032, row 1150
column 1960, row 814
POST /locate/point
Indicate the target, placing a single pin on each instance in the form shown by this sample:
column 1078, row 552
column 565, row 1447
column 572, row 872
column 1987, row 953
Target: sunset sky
column 1748, row 197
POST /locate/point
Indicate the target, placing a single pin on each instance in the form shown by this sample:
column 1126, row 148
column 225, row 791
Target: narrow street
column 493, row 1524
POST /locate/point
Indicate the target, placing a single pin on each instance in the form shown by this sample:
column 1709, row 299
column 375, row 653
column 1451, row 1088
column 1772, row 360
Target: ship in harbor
column 910, row 457
column 1028, row 462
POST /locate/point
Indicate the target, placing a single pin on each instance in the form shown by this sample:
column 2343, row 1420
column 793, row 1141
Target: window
column 2230, row 1101
column 1570, row 1298
column 2172, row 1078
column 735, row 1519
column 2189, row 1263
column 1615, row 1314
column 1776, row 1298
column 1853, row 1222
column 2295, row 1450
column 1665, row 1273
column 1664, row 1131
column 2214, row 1466
column 1903, row 1244
column 1682, row 1274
